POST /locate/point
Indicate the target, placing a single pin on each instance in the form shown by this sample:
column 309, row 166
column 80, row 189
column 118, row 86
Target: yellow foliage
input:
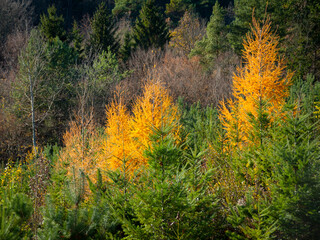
column 117, row 146
column 261, row 79
column 153, row 110
column 82, row 149
column 11, row 174
column 129, row 135
column 126, row 136
column 317, row 111
column 186, row 34
column 11, row 178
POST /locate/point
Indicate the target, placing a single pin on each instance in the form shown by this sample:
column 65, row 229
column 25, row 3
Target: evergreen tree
column 302, row 29
column 77, row 38
column 168, row 200
column 127, row 7
column 71, row 215
column 52, row 25
column 15, row 213
column 296, row 190
column 243, row 17
column 103, row 31
column 126, row 48
column 150, row 29
column 214, row 42
column 176, row 8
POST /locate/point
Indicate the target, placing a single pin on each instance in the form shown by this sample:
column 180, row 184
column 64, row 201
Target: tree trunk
column 33, row 117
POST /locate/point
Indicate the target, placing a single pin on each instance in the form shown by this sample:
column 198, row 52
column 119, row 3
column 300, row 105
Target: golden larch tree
column 261, row 80
column 83, row 148
column 154, row 109
column 128, row 136
column 118, row 146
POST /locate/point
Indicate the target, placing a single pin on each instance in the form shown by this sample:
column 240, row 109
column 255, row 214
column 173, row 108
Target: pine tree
column 73, row 216
column 214, row 42
column 103, row 31
column 150, row 29
column 260, row 80
column 52, row 25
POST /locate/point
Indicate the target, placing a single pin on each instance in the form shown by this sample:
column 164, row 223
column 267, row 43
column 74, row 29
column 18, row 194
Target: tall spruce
column 103, row 31
column 244, row 10
column 214, row 42
column 52, row 25
column 77, row 38
column 151, row 29
column 126, row 47
column 295, row 176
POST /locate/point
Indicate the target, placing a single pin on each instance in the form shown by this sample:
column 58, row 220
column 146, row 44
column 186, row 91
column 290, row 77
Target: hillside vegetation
column 147, row 119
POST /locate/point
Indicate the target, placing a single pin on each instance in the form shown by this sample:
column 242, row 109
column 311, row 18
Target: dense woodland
column 145, row 119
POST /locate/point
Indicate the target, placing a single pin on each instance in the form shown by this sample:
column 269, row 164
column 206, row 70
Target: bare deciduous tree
column 14, row 15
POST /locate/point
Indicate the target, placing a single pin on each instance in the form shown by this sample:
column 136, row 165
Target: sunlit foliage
column 128, row 136
column 118, row 144
column 82, row 148
column 189, row 31
column 259, row 84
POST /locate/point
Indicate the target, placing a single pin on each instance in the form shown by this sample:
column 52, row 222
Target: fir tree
column 52, row 25
column 295, row 176
column 150, row 29
column 126, row 48
column 77, row 38
column 243, row 16
column 167, row 199
column 214, row 42
column 103, row 31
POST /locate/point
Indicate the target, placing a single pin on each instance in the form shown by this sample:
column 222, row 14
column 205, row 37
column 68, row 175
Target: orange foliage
column 260, row 80
column 128, row 136
column 118, row 145
column 82, row 149
column 153, row 110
